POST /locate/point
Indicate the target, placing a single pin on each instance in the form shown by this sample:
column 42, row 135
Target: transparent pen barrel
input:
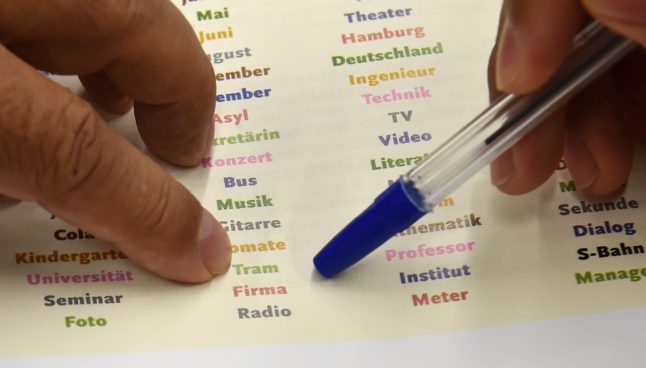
column 459, row 158
column 508, row 119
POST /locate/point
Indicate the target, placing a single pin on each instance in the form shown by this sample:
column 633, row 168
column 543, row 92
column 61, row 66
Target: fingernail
column 506, row 58
column 214, row 244
column 502, row 169
column 632, row 11
column 123, row 105
column 581, row 163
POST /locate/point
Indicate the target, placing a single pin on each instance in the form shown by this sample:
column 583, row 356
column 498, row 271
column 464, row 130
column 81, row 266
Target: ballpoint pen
column 496, row 129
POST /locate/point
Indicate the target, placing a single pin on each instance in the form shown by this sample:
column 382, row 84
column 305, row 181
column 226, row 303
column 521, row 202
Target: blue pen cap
column 392, row 211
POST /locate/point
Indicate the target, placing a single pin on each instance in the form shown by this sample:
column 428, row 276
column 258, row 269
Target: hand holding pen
column 510, row 119
column 594, row 132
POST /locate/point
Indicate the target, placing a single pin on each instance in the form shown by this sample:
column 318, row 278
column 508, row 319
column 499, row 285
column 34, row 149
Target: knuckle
column 152, row 212
column 164, row 222
column 67, row 151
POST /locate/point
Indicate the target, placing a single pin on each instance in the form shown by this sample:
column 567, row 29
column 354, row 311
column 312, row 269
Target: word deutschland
column 395, row 53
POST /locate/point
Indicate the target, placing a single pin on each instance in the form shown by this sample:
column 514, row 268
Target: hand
column 594, row 132
column 57, row 151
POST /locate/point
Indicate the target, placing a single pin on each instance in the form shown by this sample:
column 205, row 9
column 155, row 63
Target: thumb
column 57, row 151
column 627, row 17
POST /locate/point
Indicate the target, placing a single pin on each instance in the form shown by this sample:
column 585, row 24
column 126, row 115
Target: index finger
column 147, row 51
column 534, row 38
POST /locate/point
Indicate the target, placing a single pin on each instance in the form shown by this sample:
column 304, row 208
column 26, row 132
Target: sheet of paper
column 319, row 106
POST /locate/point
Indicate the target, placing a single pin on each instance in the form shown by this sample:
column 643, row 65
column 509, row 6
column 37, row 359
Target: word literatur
column 395, row 53
column 391, row 163
column 209, row 162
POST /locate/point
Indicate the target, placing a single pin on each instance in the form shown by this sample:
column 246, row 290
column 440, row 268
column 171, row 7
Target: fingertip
column 502, row 169
column 599, row 147
column 581, row 162
column 534, row 38
column 506, row 71
column 532, row 160
column 214, row 244
column 625, row 16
